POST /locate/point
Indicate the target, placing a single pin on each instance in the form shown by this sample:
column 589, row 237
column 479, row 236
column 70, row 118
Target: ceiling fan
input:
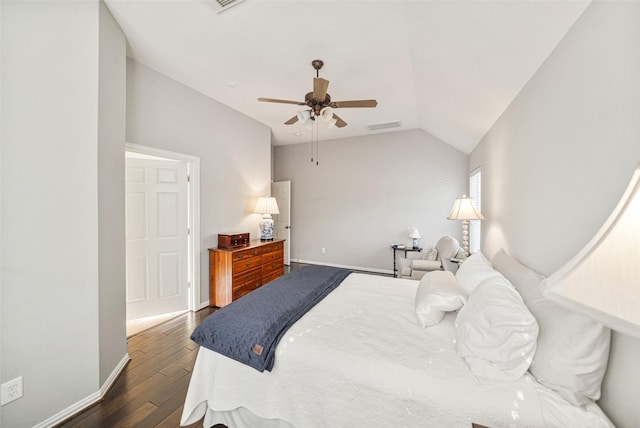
column 319, row 102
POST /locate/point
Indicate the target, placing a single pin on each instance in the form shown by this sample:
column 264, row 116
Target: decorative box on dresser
column 235, row 272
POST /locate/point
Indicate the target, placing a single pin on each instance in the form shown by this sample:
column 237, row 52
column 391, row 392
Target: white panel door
column 156, row 236
column 281, row 190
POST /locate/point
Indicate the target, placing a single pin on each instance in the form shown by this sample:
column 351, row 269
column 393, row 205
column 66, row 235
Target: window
column 475, row 181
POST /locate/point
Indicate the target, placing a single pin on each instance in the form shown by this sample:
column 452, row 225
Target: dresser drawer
column 240, row 278
column 272, row 256
column 245, row 288
column 246, row 264
column 270, row 276
column 276, row 246
column 246, row 254
column 271, row 266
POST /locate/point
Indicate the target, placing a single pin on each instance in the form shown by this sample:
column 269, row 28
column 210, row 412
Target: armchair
column 430, row 259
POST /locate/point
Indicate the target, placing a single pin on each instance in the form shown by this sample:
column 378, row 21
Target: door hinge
column 188, row 231
column 188, row 178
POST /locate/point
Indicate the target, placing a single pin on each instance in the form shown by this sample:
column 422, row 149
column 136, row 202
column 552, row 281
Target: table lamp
column 464, row 209
column 266, row 206
column 415, row 235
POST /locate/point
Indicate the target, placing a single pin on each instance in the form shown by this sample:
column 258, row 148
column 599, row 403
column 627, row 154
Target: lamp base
column 465, row 238
column 266, row 228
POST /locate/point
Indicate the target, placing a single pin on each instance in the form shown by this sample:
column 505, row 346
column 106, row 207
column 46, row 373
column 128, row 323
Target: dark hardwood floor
column 150, row 391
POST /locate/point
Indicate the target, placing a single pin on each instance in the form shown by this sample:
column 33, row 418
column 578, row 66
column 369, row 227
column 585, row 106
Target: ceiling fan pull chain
column 311, row 143
column 317, row 147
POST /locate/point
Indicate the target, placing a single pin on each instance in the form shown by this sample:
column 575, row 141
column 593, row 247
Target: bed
column 387, row 352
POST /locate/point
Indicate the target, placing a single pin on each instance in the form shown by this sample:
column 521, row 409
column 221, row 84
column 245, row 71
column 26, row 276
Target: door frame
column 287, row 243
column 193, row 215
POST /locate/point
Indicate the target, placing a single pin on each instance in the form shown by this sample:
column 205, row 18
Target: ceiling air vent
column 386, row 125
column 226, row 4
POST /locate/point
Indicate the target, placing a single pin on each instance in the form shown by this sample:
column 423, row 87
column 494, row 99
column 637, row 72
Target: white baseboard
column 87, row 401
column 365, row 269
column 203, row 305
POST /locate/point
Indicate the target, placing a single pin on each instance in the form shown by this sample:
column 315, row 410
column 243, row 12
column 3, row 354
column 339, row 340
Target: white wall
column 111, row 225
column 1, row 235
column 367, row 192
column 557, row 161
column 234, row 151
column 50, row 266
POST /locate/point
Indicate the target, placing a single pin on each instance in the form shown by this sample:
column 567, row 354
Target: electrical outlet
column 324, row 250
column 11, row 390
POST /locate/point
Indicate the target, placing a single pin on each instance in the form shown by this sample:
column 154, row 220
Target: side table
column 406, row 250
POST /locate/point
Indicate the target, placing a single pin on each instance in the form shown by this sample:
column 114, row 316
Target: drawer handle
column 248, row 264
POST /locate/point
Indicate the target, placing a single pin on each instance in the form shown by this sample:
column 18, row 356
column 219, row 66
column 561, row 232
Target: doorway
column 281, row 190
column 162, row 226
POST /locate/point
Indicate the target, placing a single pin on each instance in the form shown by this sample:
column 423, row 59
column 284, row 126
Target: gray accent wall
column 64, row 104
column 111, row 214
column 556, row 163
column 62, row 130
column 234, row 152
column 367, row 193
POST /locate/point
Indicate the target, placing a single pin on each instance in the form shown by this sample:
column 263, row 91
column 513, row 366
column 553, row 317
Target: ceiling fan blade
column 291, row 121
column 274, row 100
column 339, row 122
column 320, row 87
column 352, row 104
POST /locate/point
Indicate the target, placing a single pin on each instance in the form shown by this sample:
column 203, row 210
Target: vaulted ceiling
column 448, row 67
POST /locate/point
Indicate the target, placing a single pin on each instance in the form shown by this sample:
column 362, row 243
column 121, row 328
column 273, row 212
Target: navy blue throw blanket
column 249, row 329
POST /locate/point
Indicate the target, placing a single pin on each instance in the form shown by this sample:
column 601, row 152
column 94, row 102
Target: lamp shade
column 602, row 279
column 415, row 234
column 267, row 205
column 465, row 209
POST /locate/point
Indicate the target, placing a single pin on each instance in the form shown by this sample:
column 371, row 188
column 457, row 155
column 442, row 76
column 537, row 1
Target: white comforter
column 360, row 359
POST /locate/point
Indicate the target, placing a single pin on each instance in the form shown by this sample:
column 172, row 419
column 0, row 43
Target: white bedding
column 360, row 359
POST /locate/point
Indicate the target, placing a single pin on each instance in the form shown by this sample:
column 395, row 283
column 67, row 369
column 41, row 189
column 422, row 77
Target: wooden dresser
column 235, row 272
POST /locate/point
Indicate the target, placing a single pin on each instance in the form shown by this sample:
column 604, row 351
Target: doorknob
column 287, row 227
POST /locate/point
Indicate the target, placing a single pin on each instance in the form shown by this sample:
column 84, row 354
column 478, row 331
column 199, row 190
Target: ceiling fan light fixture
column 303, row 115
column 331, row 123
column 327, row 114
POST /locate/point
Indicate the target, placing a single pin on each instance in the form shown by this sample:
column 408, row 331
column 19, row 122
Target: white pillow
column 572, row 350
column 431, row 254
column 437, row 293
column 475, row 269
column 495, row 332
